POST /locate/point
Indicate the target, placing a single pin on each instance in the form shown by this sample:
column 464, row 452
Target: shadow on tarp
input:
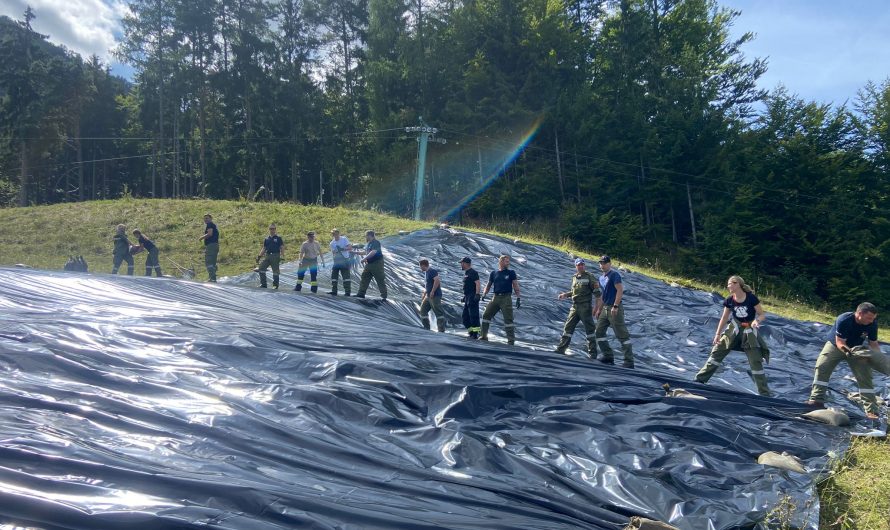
column 147, row 403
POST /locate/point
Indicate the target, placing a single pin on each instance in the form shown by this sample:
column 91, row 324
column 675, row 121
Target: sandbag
column 829, row 416
column 679, row 393
column 641, row 523
column 782, row 461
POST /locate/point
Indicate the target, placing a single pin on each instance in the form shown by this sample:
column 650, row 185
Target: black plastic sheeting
column 159, row 403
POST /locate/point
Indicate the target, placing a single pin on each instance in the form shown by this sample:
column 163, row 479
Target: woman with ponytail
column 746, row 313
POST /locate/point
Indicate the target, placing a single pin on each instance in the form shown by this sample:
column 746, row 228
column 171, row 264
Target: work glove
column 258, row 259
column 477, row 297
column 518, row 304
column 860, row 352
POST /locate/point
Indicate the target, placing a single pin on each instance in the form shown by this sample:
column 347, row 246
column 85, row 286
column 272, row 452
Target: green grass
column 44, row 236
column 855, row 496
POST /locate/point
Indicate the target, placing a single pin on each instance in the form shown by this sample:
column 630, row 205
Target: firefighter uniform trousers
column 342, row 268
column 748, row 341
column 471, row 315
column 617, row 322
column 374, row 270
column 310, row 264
column 828, row 359
column 580, row 312
column 500, row 302
column 273, row 259
column 119, row 259
column 211, row 252
column 434, row 303
column 153, row 263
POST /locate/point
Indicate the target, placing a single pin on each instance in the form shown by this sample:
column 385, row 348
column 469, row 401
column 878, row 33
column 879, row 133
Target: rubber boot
column 484, row 335
column 275, row 281
column 333, row 287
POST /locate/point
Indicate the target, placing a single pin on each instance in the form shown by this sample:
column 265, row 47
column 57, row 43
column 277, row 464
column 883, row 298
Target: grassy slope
column 855, row 496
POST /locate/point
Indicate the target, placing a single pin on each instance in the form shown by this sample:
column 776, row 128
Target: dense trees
column 633, row 126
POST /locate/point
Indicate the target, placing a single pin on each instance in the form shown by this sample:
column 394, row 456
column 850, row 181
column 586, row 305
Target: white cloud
column 85, row 26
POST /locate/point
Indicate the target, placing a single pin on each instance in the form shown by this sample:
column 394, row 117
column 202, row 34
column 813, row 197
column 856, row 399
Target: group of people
column 596, row 303
column 124, row 251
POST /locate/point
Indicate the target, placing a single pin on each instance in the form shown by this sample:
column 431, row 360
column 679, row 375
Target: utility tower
column 426, row 134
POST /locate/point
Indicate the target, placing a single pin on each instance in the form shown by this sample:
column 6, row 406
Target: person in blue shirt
column 746, row 313
column 432, row 297
column 374, row 268
column 503, row 281
column 211, row 246
column 611, row 313
column 271, row 254
column 152, row 261
column 846, row 341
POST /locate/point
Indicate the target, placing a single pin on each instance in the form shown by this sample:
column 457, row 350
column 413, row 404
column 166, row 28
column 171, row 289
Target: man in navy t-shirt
column 503, row 281
column 846, row 342
column 432, row 297
column 211, row 246
column 374, row 268
column 611, row 313
column 271, row 254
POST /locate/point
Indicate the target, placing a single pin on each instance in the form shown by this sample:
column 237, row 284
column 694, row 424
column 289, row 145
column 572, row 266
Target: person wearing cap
column 271, row 254
column 503, row 281
column 341, row 250
column 373, row 262
column 121, row 252
column 211, row 246
column 585, row 290
column 472, row 294
column 310, row 252
column 846, row 341
column 152, row 261
column 741, row 334
column 611, row 313
column 432, row 297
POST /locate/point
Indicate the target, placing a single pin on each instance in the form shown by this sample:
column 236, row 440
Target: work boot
column 510, row 342
column 628, row 364
column 359, row 295
column 275, row 281
column 815, row 404
column 333, row 290
column 607, row 361
column 472, row 335
column 425, row 322
column 298, row 287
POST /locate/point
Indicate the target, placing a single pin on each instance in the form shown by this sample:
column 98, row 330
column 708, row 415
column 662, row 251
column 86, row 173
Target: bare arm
column 619, row 292
column 516, row 287
column 759, row 316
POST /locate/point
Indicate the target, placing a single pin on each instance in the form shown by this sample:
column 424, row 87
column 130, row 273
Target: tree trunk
column 23, row 191
column 691, row 215
column 562, row 191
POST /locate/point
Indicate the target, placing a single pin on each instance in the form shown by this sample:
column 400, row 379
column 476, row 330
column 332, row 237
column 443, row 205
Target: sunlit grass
column 856, row 495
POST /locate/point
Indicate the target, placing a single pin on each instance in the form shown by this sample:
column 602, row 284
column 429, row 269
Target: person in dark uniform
column 152, row 261
column 373, row 261
column 211, row 246
column 503, row 281
column 432, row 297
column 611, row 313
column 121, row 252
column 472, row 294
column 341, row 252
column 271, row 254
column 585, row 290
column 846, row 342
column 741, row 334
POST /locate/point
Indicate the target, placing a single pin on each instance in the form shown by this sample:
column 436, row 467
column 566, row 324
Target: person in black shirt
column 432, row 297
column 211, row 246
column 846, row 342
column 374, row 268
column 743, row 306
column 121, row 251
column 271, row 254
column 503, row 281
column 152, row 262
column 472, row 289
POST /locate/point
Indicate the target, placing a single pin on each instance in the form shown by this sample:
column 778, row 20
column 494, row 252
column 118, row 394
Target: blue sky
column 823, row 50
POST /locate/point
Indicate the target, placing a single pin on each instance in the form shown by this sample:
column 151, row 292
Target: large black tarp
column 159, row 403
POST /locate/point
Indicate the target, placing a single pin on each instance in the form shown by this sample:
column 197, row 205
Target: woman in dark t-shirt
column 743, row 306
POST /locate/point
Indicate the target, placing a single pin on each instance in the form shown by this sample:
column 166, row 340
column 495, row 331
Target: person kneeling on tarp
column 741, row 334
column 845, row 343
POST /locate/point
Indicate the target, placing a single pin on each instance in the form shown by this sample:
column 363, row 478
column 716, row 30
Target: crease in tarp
column 159, row 403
